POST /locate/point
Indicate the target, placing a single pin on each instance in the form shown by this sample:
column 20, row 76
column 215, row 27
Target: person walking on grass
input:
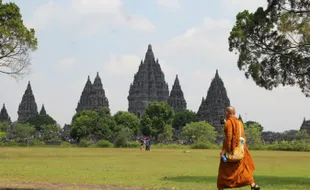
column 239, row 173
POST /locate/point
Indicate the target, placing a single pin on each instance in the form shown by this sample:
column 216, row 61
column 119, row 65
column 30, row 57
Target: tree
column 289, row 135
column 124, row 136
column 253, row 133
column 40, row 120
column 302, row 135
column 199, row 132
column 23, row 131
column 4, row 127
column 182, row 118
column 166, row 135
column 155, row 118
column 82, row 123
column 128, row 120
column 274, row 44
column 251, row 124
column 50, row 132
column 16, row 41
column 92, row 125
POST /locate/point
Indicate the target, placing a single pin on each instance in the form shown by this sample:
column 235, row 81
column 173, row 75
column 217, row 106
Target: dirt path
column 20, row 185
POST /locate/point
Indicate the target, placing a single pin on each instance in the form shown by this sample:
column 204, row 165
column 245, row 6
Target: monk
column 235, row 174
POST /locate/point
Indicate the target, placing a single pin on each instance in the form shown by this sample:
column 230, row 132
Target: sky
column 78, row 38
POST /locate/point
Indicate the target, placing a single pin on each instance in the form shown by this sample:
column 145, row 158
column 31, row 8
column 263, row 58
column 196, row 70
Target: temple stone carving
column 212, row 109
column 176, row 99
column 93, row 96
column 149, row 85
column 28, row 106
column 4, row 116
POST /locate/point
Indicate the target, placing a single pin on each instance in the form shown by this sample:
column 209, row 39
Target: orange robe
column 235, row 174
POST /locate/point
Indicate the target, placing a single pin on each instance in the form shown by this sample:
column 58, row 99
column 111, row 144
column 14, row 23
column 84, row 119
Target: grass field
column 95, row 168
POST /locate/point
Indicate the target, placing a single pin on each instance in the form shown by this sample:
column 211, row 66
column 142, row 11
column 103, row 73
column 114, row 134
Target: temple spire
column 176, row 99
column 149, row 56
column 42, row 111
column 28, row 106
column 4, row 116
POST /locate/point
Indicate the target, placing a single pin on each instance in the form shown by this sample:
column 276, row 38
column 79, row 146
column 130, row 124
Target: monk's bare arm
column 229, row 135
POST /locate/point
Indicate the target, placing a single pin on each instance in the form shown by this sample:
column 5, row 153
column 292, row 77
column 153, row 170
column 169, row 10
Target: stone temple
column 212, row 109
column 4, row 116
column 28, row 106
column 149, row 85
column 305, row 125
column 93, row 96
column 176, row 99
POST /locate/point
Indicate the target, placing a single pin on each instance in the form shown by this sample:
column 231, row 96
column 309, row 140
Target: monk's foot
column 255, row 187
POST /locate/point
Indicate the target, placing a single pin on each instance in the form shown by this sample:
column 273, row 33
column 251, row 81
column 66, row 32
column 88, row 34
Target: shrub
column 120, row 142
column 65, row 144
column 204, row 145
column 35, row 142
column 84, row 143
column 171, row 146
column 104, row 144
column 133, row 144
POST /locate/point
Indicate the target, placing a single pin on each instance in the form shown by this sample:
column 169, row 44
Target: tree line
column 159, row 123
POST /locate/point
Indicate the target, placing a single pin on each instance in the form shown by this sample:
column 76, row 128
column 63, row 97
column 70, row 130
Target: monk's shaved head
column 230, row 110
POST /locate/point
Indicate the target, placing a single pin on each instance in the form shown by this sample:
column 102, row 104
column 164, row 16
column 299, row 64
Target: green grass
column 159, row 168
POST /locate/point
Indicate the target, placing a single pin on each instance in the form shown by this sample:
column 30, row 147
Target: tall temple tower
column 212, row 109
column 93, row 96
column 149, row 85
column 176, row 99
column 28, row 106
column 4, row 116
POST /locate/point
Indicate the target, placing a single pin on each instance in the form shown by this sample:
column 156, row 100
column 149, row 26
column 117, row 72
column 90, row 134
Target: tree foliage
column 23, row 131
column 92, row 125
column 182, row 118
column 251, row 124
column 4, row 127
column 127, row 120
column 199, row 132
column 253, row 132
column 16, row 41
column 49, row 132
column 155, row 118
column 40, row 120
column 274, row 44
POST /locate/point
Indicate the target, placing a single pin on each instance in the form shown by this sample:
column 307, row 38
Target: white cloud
column 173, row 4
column 87, row 18
column 124, row 65
column 66, row 63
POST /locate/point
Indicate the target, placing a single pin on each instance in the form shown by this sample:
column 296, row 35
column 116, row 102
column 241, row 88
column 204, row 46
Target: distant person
column 147, row 144
column 141, row 144
column 240, row 173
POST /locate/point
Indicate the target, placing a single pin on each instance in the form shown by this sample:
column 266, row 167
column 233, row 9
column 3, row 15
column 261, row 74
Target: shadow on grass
column 261, row 180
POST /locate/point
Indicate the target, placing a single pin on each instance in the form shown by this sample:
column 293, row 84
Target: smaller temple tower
column 28, row 106
column 305, row 125
column 176, row 99
column 93, row 96
column 42, row 111
column 4, row 116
